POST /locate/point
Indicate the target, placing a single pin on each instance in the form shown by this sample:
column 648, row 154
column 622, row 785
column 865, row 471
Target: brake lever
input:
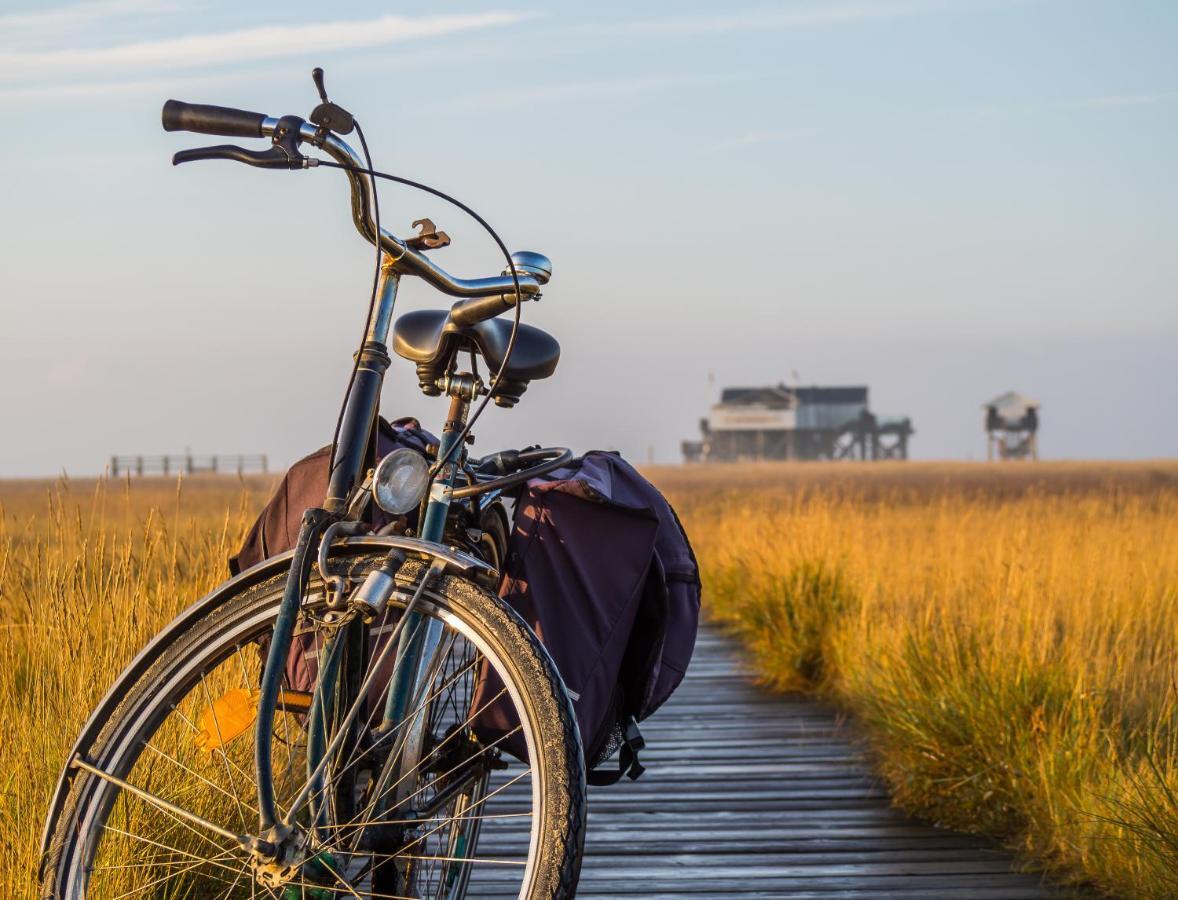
column 263, row 159
column 283, row 153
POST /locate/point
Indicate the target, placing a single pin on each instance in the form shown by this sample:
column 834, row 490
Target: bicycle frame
column 416, row 645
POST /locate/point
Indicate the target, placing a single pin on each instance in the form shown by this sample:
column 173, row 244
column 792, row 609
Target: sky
column 941, row 199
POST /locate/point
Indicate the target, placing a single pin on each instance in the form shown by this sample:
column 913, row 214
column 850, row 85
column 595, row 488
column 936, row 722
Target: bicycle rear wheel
column 169, row 780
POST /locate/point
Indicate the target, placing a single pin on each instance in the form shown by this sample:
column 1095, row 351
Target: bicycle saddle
column 430, row 339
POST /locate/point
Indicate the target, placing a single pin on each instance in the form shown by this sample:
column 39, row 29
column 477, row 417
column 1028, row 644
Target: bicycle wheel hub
column 277, row 856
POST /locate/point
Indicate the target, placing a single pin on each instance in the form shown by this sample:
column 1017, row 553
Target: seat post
column 461, row 388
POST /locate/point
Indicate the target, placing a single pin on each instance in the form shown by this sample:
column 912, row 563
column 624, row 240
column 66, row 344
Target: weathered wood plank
column 753, row 795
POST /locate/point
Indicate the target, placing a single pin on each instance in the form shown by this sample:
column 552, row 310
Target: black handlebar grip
column 180, row 116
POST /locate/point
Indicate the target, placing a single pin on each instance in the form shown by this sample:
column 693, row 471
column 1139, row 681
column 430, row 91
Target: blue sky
column 943, row 199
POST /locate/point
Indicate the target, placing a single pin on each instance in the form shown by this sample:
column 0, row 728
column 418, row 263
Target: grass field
column 88, row 574
column 1006, row 637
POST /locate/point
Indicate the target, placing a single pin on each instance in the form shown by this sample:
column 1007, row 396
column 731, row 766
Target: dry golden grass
column 88, row 574
column 1006, row 636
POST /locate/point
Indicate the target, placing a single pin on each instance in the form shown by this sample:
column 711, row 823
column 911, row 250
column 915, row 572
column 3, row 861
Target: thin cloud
column 110, row 90
column 536, row 95
column 795, row 16
column 962, row 120
column 1118, row 100
column 1104, row 101
column 248, row 44
column 753, row 139
column 75, row 15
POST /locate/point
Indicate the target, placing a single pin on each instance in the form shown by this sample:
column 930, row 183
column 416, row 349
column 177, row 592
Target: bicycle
column 205, row 773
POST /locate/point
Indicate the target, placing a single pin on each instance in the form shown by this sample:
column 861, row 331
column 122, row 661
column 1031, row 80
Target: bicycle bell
column 527, row 262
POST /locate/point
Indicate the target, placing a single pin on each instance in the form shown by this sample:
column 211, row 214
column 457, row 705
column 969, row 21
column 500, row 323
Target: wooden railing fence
column 188, row 464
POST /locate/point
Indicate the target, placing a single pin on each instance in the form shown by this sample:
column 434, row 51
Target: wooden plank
column 753, row 795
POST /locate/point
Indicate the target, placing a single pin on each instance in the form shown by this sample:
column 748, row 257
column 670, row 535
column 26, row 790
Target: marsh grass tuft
column 789, row 619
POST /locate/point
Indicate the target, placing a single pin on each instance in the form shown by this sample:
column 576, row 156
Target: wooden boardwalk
column 753, row 795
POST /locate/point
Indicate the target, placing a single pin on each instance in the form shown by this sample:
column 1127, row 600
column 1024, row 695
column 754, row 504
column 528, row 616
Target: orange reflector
column 295, row 702
column 228, row 716
column 233, row 713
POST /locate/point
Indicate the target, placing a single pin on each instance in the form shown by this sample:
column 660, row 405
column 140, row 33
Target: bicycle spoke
column 169, row 849
column 158, row 861
column 340, row 878
column 443, row 858
column 155, row 862
column 454, row 769
column 198, row 776
column 188, row 862
column 497, row 790
column 236, row 881
column 159, row 881
column 192, row 726
column 355, row 758
column 157, row 801
column 444, row 821
column 179, row 822
column 458, row 730
column 515, row 815
column 461, row 859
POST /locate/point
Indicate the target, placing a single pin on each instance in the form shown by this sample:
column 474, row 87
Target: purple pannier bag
column 601, row 569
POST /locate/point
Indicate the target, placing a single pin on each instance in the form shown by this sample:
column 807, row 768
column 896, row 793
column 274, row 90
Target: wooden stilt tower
column 1012, row 427
column 780, row 422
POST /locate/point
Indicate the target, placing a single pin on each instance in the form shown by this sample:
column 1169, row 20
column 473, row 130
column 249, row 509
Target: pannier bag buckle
column 628, row 764
column 632, row 742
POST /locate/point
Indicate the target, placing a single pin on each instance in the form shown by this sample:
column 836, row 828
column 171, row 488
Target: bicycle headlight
column 400, row 481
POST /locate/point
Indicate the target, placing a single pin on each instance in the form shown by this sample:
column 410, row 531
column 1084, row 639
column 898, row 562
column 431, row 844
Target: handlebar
column 221, row 120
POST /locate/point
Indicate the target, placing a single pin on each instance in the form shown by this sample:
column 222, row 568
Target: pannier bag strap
column 628, row 764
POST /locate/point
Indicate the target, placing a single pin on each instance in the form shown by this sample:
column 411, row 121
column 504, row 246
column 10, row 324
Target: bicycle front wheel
column 162, row 797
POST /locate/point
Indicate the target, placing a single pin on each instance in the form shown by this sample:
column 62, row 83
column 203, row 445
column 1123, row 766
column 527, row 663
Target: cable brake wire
column 379, row 251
